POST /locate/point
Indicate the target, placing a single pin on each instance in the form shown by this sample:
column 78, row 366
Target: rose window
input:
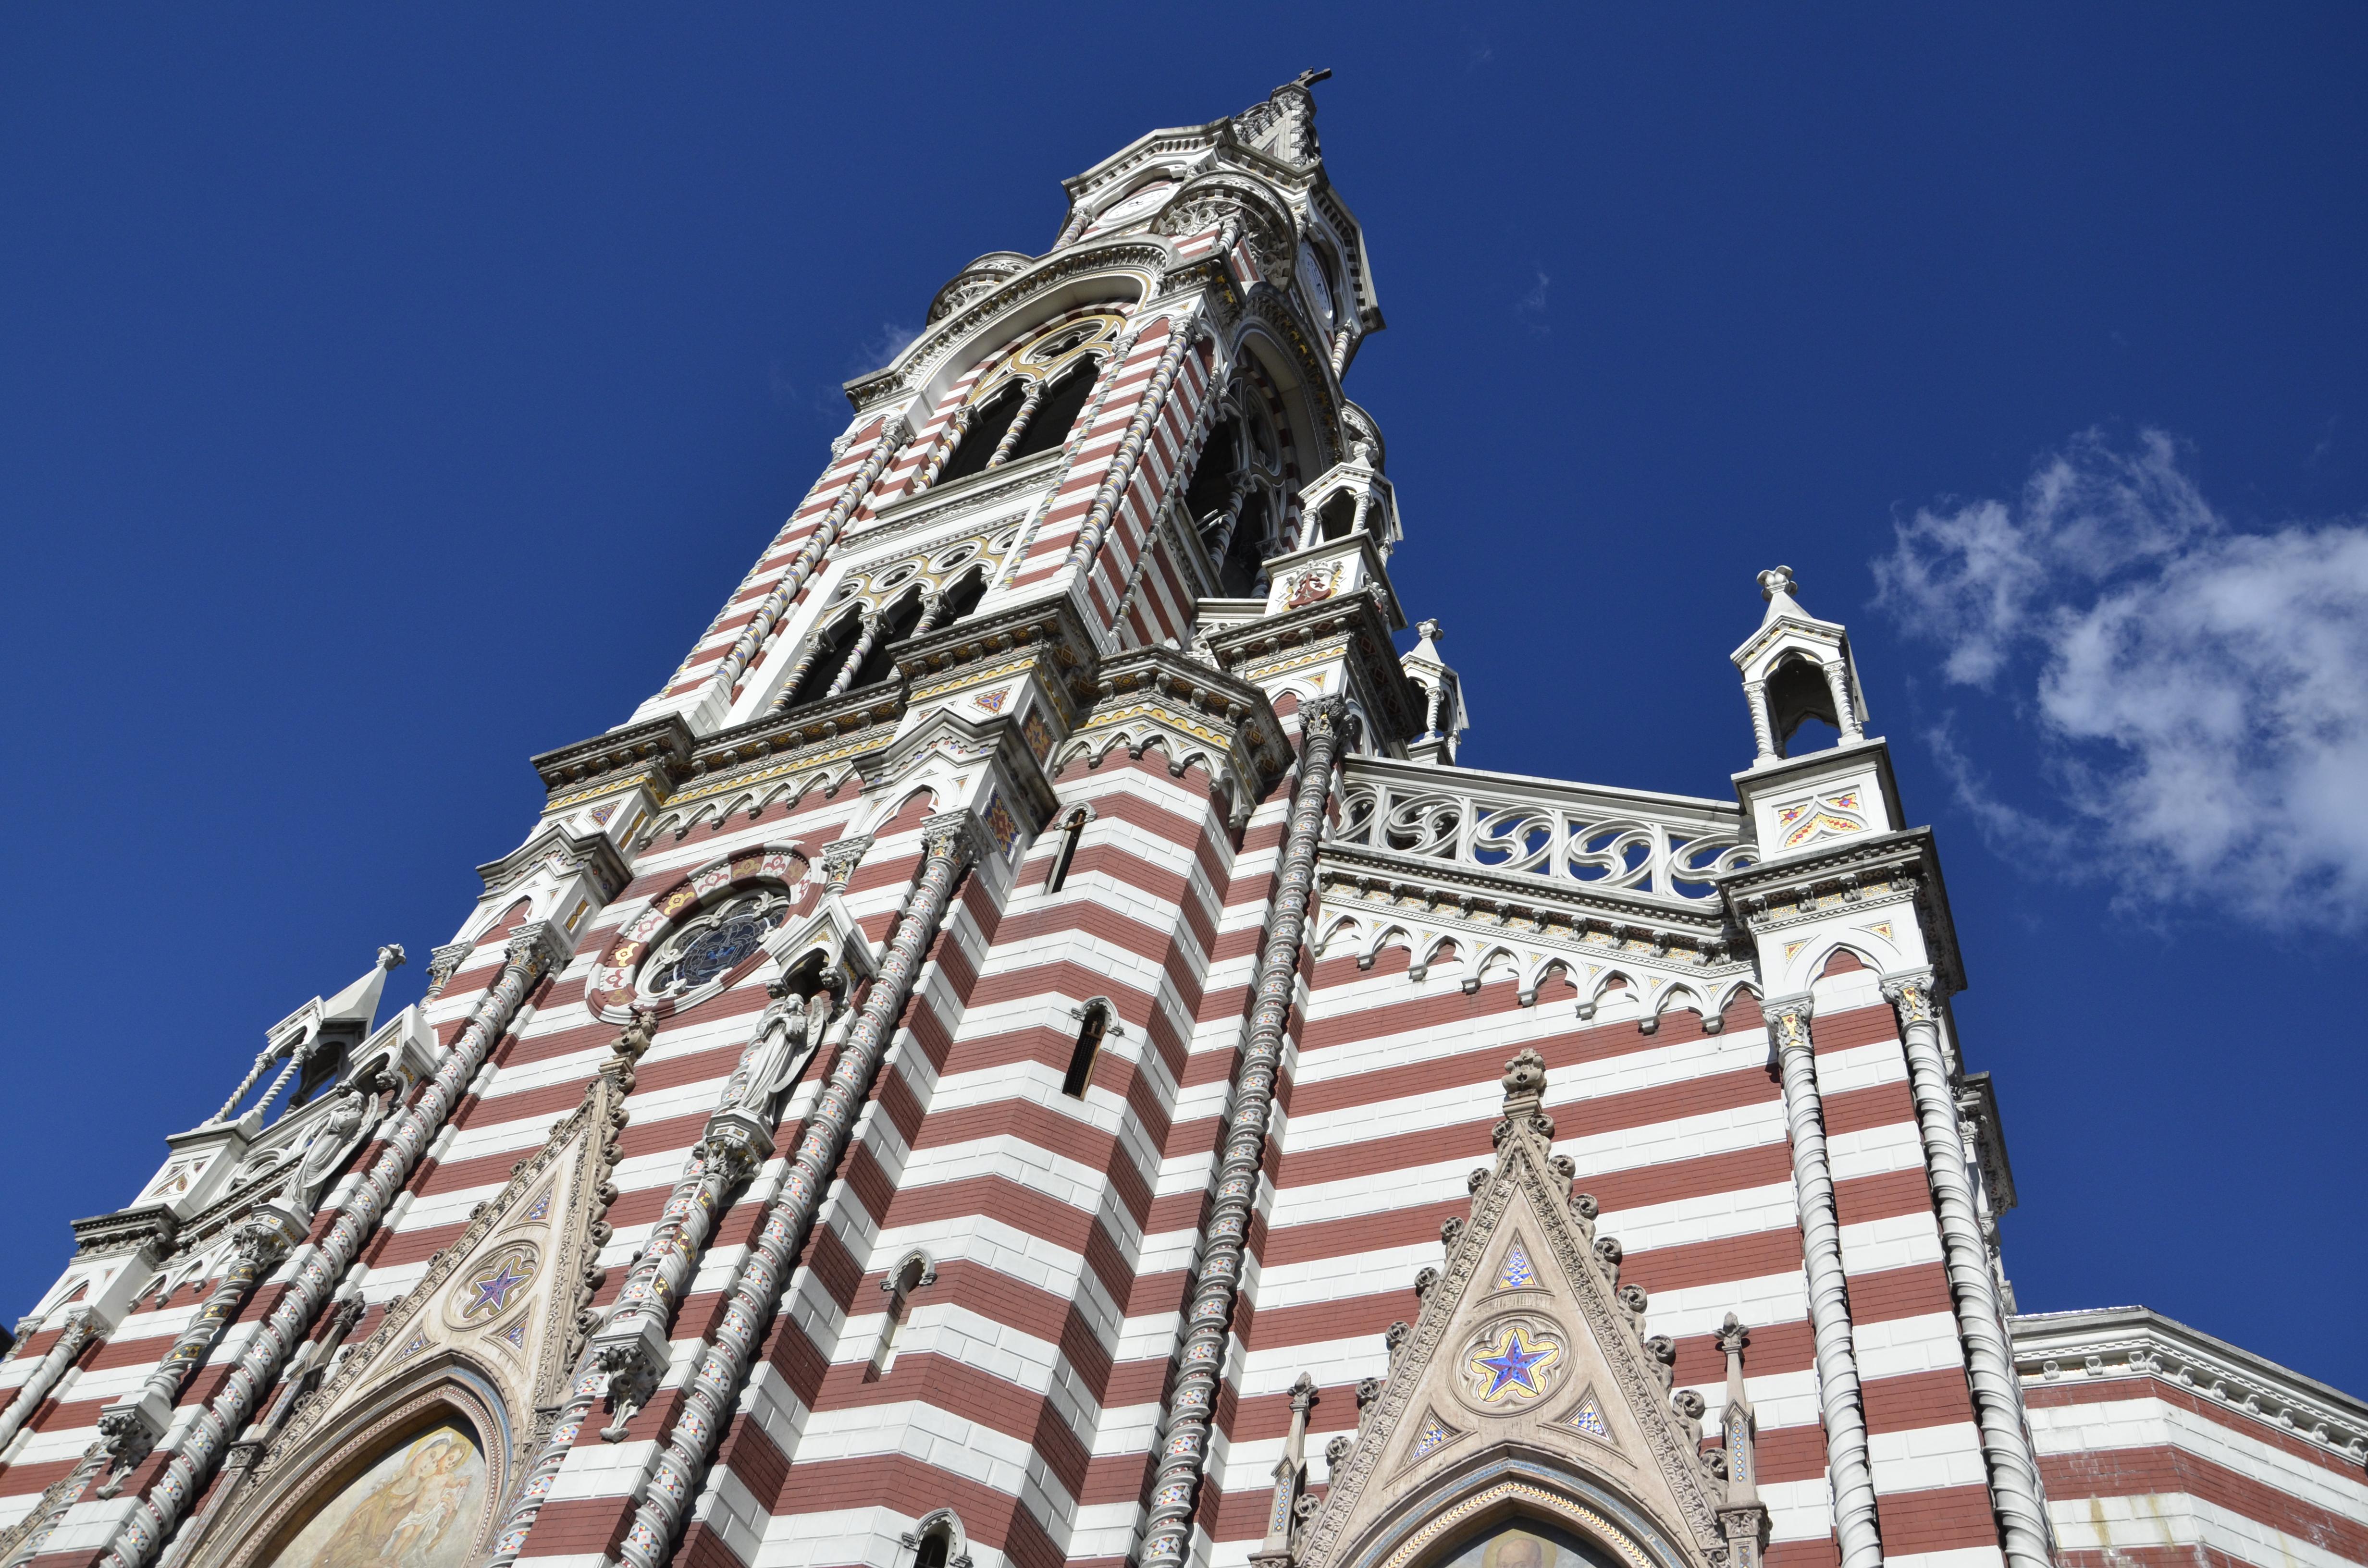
column 711, row 945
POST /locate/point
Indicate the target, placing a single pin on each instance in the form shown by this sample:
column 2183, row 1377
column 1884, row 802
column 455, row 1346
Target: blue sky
column 386, row 395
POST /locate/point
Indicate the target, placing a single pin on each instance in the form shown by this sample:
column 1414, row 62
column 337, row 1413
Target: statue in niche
column 416, row 1508
column 343, row 1126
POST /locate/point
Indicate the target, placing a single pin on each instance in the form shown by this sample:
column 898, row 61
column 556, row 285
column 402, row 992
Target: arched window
column 1235, row 492
column 1088, row 1046
column 931, row 1552
column 1063, row 401
column 988, row 428
column 1339, row 513
column 1797, row 692
column 893, row 627
column 1244, row 567
column 820, row 665
column 960, row 599
column 1072, row 828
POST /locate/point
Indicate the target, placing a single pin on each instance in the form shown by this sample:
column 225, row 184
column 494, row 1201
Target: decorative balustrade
column 1667, row 846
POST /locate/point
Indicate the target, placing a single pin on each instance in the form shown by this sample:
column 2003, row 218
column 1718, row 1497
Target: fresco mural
column 1526, row 1543
column 416, row 1508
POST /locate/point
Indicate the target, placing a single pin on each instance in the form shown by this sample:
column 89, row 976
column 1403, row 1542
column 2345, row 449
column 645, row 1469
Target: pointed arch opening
column 1063, row 402
column 1798, row 694
column 988, row 428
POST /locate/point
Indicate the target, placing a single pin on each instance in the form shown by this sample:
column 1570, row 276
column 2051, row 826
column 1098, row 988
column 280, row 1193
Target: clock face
column 1149, row 198
column 1311, row 283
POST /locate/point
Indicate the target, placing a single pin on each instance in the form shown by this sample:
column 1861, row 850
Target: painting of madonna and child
column 416, row 1508
column 1526, row 1543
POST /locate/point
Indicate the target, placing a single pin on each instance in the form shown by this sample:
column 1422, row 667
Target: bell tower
column 1030, row 1048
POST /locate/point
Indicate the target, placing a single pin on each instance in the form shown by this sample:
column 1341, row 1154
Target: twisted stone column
column 629, row 1352
column 253, row 1076
column 2016, row 1494
column 316, row 1267
column 1105, row 377
column 81, row 1327
column 663, row 1498
column 942, row 451
column 1845, row 710
column 1848, row 1467
column 754, row 637
column 1763, row 729
column 1181, row 336
column 132, row 1426
column 1026, row 412
column 1184, row 1444
column 862, row 651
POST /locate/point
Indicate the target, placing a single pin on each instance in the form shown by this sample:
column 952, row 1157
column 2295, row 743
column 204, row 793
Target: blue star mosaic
column 1516, row 1365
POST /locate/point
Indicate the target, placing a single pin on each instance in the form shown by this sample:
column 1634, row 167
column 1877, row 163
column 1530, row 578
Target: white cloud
column 2199, row 695
column 883, row 346
column 1531, row 307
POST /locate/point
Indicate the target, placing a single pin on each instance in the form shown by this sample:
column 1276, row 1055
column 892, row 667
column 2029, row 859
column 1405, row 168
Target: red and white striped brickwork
column 1055, row 1236
column 2162, row 1446
column 1682, row 1137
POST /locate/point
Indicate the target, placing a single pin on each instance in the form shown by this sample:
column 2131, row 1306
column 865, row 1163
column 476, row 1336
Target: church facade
column 1028, row 1049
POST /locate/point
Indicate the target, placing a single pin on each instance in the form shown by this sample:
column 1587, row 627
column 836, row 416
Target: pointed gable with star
column 1529, row 1388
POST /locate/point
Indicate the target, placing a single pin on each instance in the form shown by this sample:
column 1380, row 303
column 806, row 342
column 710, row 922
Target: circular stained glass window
column 712, row 944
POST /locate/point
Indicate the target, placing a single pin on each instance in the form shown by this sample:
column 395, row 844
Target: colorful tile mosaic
column 1434, row 1433
column 1517, row 1274
column 1511, row 1363
column 1588, row 1418
column 992, row 701
column 1002, row 824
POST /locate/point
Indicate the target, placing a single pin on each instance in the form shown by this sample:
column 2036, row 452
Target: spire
column 358, row 1002
column 1285, row 126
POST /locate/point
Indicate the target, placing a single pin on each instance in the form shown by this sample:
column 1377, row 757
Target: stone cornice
column 2132, row 1341
column 1852, row 871
column 1050, row 625
column 657, row 748
column 956, row 498
column 1158, row 688
column 1689, row 935
column 593, row 852
column 1356, row 623
column 857, row 722
column 152, row 1226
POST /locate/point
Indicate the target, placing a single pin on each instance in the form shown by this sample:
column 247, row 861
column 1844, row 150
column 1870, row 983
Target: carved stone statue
column 347, row 1121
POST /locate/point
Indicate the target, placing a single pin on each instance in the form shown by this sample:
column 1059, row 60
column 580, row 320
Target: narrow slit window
column 1081, row 1060
column 900, row 1308
column 1071, row 830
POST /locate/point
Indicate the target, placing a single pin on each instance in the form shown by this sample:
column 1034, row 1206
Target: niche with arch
column 417, row 1482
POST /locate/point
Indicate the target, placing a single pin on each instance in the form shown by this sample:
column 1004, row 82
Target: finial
column 390, row 956
column 1309, row 78
column 1525, row 1076
column 1777, row 580
column 1430, row 631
